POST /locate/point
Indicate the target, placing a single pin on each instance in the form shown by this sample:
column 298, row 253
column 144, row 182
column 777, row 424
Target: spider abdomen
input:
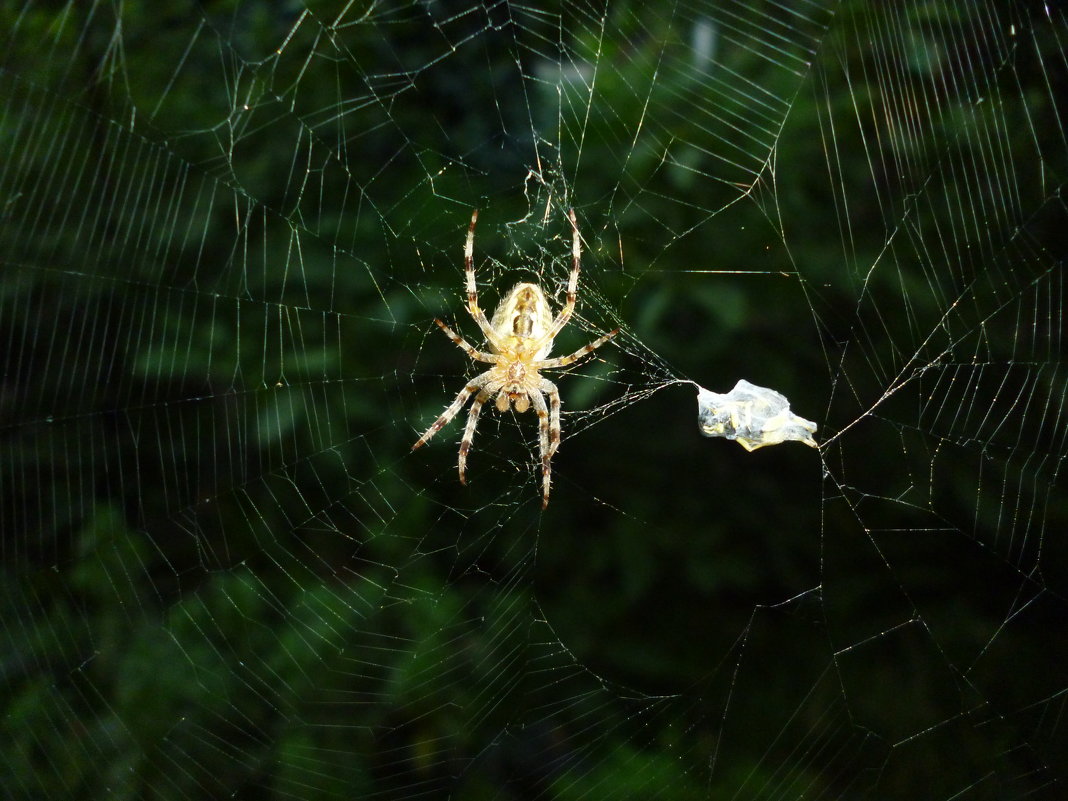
column 523, row 318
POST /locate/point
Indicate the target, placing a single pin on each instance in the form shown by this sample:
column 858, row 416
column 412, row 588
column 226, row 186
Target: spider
column 520, row 337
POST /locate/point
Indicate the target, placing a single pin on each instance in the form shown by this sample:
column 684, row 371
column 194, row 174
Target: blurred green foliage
column 226, row 228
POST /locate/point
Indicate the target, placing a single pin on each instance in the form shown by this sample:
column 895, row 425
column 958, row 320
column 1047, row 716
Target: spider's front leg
column 454, row 407
column 548, row 432
column 550, row 389
column 469, row 431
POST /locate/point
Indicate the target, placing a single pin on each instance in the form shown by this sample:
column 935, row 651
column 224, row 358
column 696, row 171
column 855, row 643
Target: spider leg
column 476, row 384
column 477, row 355
column 472, row 290
column 550, row 389
column 469, row 430
column 572, row 282
column 562, row 361
column 548, row 431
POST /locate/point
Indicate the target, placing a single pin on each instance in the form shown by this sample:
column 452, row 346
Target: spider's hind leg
column 469, row 275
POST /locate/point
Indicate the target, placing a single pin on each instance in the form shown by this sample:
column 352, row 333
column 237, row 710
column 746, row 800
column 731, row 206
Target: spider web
column 227, row 228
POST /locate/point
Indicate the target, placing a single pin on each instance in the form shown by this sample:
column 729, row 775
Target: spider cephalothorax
column 519, row 337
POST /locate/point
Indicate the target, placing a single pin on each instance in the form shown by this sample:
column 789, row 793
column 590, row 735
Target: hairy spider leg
column 550, row 389
column 572, row 285
column 562, row 361
column 472, row 291
column 477, row 355
column 544, row 434
column 469, row 430
column 569, row 307
column 450, row 412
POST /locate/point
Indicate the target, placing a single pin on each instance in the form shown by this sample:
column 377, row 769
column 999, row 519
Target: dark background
column 225, row 230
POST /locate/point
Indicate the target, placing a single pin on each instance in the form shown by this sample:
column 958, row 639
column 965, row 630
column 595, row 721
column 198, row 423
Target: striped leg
column 572, row 281
column 469, row 271
column 563, row 361
column 548, row 433
column 477, row 355
column 469, row 430
column 549, row 388
column 450, row 413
